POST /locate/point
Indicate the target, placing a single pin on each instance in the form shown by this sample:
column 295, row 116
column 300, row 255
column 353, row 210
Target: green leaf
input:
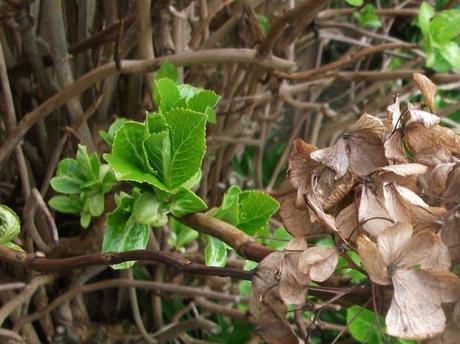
column 10, row 225
column 88, row 163
column 264, row 23
column 215, row 253
column 108, row 135
column 355, row 3
column 245, row 287
column 13, row 246
column 367, row 17
column 445, row 26
column 204, row 102
column 187, row 91
column 69, row 167
column 280, row 239
column 425, row 13
column 129, row 159
column 107, row 179
column 167, row 70
column 158, row 149
column 193, row 181
column 188, row 146
column 450, row 51
column 166, row 94
column 123, row 233
column 66, row 204
column 436, row 61
column 156, row 123
column 96, row 204
column 181, row 235
column 229, row 209
column 186, row 202
column 147, row 210
column 255, row 210
column 85, row 219
column 66, row 184
column 364, row 326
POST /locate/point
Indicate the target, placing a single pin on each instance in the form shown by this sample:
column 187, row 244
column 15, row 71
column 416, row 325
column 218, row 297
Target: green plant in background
column 10, row 227
column 355, row 3
column 83, row 181
column 441, row 39
column 367, row 17
column 367, row 327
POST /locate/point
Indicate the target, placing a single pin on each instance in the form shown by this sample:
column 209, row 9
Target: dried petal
column 393, row 114
column 423, row 250
column 300, row 163
column 392, row 241
column 429, row 120
column 296, row 221
column 415, row 311
column 266, row 305
column 325, row 220
column 427, row 88
column 293, row 281
column 405, row 169
column 451, row 193
column 372, row 213
column 448, row 139
column 394, row 148
column 450, row 234
column 319, row 262
column 347, row 222
column 365, row 139
column 372, row 261
column 334, row 157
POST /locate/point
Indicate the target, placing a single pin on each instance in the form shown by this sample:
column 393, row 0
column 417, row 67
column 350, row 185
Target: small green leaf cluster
column 250, row 211
column 83, row 181
column 367, row 17
column 440, row 37
column 10, row 227
column 161, row 157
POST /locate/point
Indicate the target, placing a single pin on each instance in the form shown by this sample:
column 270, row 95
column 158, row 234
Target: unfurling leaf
column 123, row 233
column 10, row 227
column 215, row 253
column 148, row 210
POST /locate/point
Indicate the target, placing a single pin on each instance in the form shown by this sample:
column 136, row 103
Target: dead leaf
column 393, row 115
column 297, row 221
column 335, row 157
column 451, row 193
column 266, row 305
column 450, row 233
column 365, row 139
column 293, row 282
column 427, row 88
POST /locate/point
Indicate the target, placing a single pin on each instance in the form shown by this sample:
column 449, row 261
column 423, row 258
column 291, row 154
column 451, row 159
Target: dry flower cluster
column 390, row 190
